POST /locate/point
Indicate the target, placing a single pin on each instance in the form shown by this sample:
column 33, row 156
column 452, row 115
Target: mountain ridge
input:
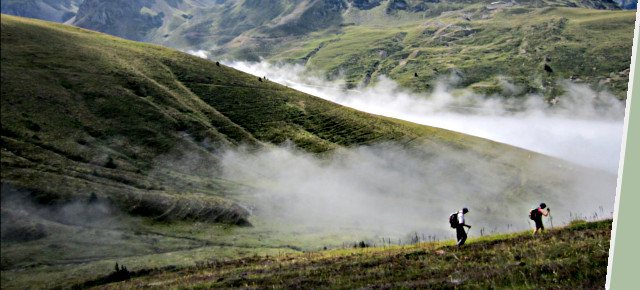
column 302, row 31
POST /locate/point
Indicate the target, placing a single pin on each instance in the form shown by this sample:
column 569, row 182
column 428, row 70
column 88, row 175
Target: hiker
column 457, row 221
column 536, row 215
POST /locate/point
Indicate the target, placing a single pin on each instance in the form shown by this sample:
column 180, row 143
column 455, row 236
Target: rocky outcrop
column 365, row 4
column 51, row 10
column 123, row 18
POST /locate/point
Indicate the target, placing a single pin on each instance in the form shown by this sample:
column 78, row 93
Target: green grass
column 483, row 46
column 153, row 96
column 574, row 256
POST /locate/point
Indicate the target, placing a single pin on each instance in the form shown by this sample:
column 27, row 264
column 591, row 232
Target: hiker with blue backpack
column 456, row 220
column 536, row 214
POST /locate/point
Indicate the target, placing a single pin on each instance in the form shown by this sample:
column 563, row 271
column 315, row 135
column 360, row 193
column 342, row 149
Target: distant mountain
column 317, row 33
column 627, row 4
column 51, row 10
column 123, row 18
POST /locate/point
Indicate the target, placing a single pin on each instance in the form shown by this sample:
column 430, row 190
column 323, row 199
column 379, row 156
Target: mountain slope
column 483, row 46
column 571, row 257
column 114, row 150
column 112, row 108
column 513, row 41
column 433, row 40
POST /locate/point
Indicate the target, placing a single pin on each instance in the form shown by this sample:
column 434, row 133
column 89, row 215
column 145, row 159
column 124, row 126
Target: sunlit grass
column 572, row 257
column 482, row 46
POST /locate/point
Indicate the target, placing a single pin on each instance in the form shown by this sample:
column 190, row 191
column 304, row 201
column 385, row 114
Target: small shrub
column 361, row 244
column 110, row 163
column 577, row 222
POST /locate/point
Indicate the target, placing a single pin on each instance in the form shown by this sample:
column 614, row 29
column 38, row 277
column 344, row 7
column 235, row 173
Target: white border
column 630, row 90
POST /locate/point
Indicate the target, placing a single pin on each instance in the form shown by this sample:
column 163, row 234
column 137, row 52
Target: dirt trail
column 410, row 57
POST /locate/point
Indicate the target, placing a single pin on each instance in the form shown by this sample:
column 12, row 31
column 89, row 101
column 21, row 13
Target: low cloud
column 22, row 216
column 389, row 190
column 199, row 53
column 584, row 127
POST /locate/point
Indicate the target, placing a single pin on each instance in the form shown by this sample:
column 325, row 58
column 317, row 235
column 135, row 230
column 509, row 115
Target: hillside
column 114, row 150
column 485, row 48
column 485, row 45
column 103, row 111
column 489, row 46
column 571, row 257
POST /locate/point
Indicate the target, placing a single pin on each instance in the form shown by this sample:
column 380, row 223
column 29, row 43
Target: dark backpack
column 453, row 220
column 534, row 213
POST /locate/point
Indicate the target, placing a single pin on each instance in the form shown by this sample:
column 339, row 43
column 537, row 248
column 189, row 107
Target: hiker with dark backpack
column 456, row 221
column 536, row 214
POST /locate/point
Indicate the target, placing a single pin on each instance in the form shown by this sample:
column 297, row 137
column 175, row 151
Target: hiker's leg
column 538, row 225
column 461, row 235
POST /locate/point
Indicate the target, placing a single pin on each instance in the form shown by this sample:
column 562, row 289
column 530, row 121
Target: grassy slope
column 571, row 257
column 101, row 114
column 90, row 120
column 76, row 115
column 484, row 46
column 96, row 109
column 487, row 44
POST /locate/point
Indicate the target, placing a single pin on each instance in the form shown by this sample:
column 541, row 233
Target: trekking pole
column 550, row 218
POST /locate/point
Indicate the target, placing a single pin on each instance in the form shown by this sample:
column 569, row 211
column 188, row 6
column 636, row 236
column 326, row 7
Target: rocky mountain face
column 123, row 18
column 51, row 10
column 628, row 4
column 135, row 19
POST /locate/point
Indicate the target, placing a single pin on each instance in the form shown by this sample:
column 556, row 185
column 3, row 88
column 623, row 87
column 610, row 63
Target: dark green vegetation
column 574, row 257
column 111, row 149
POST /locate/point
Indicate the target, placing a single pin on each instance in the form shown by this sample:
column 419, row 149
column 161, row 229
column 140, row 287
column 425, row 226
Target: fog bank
column 388, row 190
column 584, row 127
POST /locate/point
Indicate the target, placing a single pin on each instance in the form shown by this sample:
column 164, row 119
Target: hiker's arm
column 546, row 213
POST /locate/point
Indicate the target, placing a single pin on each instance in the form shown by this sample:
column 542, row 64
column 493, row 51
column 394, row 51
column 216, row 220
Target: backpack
column 453, row 220
column 534, row 213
